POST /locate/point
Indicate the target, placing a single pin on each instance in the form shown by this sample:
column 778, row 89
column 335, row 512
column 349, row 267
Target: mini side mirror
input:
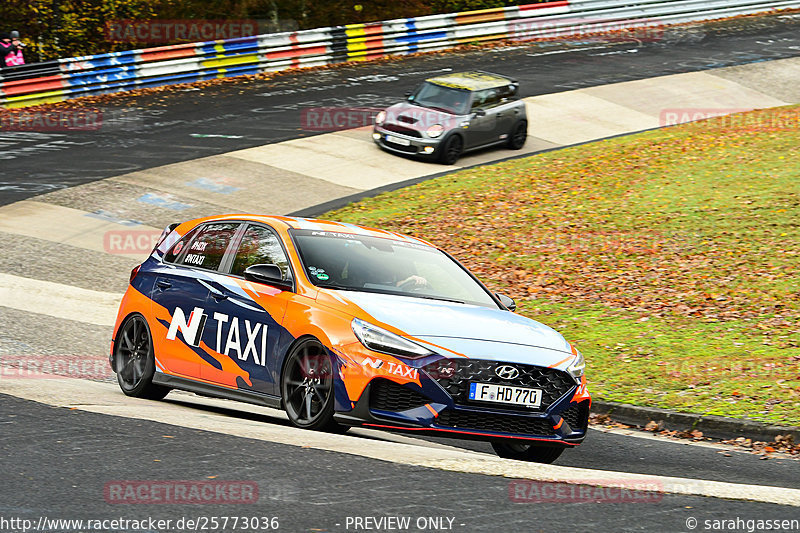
column 267, row 274
column 479, row 112
column 508, row 302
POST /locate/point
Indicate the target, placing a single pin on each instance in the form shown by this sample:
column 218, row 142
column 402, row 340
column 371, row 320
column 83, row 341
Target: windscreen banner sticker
column 363, row 239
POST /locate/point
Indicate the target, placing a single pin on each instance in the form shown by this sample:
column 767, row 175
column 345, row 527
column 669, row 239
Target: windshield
column 370, row 264
column 455, row 101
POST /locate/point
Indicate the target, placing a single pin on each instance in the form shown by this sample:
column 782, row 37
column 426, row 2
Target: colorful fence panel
column 55, row 81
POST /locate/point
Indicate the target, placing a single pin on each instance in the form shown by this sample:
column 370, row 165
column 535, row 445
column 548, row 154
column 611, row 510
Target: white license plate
column 490, row 392
column 398, row 140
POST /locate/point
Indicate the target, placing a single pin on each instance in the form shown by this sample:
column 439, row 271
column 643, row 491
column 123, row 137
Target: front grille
column 491, row 422
column 389, row 396
column 400, row 148
column 455, row 375
column 402, row 129
column 577, row 415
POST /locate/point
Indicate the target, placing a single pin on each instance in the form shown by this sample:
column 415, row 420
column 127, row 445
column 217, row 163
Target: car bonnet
column 466, row 329
column 420, row 118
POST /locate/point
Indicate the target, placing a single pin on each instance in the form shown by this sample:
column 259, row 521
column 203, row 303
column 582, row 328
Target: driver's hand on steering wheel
column 413, row 282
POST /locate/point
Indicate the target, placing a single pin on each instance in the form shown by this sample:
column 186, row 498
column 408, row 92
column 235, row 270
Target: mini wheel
column 518, row 135
column 451, row 150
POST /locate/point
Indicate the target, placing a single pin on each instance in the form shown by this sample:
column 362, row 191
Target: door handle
column 217, row 295
column 163, row 284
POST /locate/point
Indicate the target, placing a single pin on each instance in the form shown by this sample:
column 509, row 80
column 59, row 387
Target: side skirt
column 205, row 389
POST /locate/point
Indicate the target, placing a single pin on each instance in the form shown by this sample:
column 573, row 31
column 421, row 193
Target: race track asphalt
column 58, row 460
column 179, row 124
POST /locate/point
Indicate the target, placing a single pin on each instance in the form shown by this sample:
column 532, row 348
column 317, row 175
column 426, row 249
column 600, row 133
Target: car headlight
column 383, row 341
column 577, row 366
column 435, row 131
column 380, row 118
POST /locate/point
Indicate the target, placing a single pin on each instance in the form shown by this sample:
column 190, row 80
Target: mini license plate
column 491, row 392
column 398, row 140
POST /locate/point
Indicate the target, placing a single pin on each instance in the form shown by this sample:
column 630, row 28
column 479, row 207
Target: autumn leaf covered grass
column 671, row 258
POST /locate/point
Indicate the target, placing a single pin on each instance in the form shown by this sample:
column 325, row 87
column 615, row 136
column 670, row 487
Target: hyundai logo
column 506, row 372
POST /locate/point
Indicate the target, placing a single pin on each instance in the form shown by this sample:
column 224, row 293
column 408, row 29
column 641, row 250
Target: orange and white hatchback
column 342, row 325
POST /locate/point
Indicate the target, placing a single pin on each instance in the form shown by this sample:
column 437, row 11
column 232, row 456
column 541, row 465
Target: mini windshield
column 360, row 263
column 448, row 99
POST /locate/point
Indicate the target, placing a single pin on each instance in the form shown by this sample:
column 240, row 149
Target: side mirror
column 267, row 274
column 509, row 303
column 479, row 112
column 408, row 94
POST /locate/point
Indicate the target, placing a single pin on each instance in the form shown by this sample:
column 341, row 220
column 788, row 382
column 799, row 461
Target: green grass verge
column 671, row 258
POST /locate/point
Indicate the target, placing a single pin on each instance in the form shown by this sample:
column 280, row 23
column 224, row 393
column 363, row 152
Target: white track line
column 104, row 398
column 59, row 301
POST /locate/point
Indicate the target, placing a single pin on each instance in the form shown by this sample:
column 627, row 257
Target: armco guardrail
column 63, row 79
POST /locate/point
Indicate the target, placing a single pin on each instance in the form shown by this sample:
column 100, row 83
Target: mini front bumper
column 419, row 146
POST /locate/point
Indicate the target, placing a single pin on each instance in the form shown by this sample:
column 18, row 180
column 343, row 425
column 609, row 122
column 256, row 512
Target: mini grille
column 455, row 376
column 388, row 396
column 402, row 129
column 519, row 425
column 577, row 415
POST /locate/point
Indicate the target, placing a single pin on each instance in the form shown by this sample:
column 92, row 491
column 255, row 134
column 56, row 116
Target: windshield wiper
column 435, row 298
column 339, row 287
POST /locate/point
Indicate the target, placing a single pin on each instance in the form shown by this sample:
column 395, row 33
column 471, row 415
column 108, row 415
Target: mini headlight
column 380, row 118
column 577, row 366
column 435, row 131
column 383, row 341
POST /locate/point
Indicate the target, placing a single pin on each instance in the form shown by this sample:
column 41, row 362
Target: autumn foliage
column 670, row 257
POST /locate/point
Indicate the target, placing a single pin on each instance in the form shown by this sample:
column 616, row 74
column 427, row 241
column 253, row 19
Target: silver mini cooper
column 452, row 114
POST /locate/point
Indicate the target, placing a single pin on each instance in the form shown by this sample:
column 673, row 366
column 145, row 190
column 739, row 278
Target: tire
column 134, row 360
column 451, row 150
column 527, row 452
column 518, row 135
column 307, row 387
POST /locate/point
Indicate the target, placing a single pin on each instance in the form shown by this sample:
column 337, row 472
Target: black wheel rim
column 133, row 349
column 454, row 149
column 519, row 135
column 308, row 383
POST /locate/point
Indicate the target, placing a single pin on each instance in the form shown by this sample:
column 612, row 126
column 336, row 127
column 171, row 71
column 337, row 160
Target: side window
column 172, row 255
column 259, row 246
column 208, row 248
column 486, row 99
column 507, row 92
